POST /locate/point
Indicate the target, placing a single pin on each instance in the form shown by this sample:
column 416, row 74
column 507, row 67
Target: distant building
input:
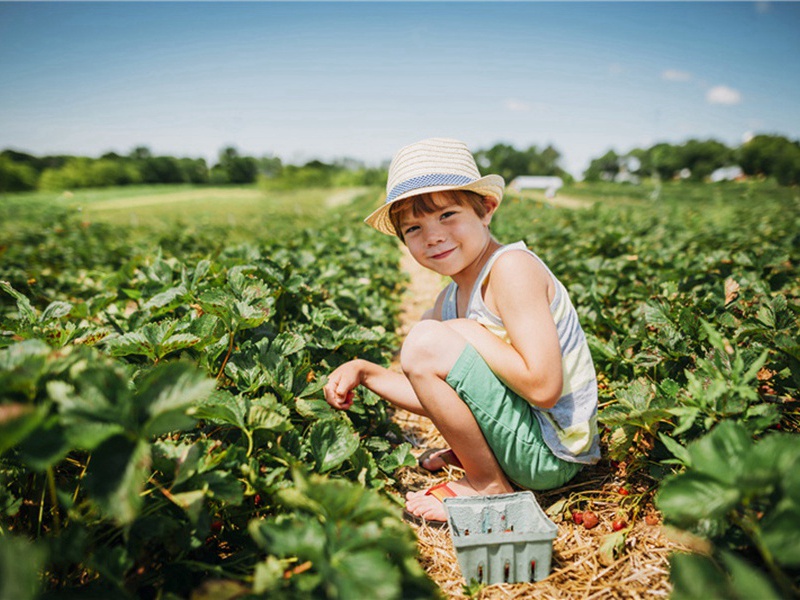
column 550, row 184
column 733, row 173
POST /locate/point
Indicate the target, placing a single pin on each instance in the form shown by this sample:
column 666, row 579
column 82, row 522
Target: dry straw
column 578, row 570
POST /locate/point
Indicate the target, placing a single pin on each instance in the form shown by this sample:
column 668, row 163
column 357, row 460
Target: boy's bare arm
column 389, row 385
column 531, row 364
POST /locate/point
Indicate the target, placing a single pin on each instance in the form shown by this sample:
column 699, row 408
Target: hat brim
column 490, row 185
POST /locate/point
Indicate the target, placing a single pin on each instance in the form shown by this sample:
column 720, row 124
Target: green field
column 245, row 210
column 162, row 349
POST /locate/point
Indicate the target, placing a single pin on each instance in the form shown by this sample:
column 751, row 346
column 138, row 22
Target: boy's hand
column 341, row 383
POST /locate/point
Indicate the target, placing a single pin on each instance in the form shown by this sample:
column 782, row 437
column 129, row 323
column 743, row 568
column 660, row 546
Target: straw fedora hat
column 432, row 165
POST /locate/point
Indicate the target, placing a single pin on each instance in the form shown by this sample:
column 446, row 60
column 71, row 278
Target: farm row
column 691, row 308
column 162, row 427
column 162, row 430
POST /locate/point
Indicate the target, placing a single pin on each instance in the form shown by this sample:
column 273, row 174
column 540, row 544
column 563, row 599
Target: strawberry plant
column 744, row 496
column 691, row 308
column 159, row 413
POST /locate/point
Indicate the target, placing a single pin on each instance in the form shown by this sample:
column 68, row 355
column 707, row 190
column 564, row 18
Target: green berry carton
column 506, row 538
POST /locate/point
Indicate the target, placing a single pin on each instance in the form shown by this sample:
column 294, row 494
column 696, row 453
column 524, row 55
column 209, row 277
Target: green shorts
column 509, row 426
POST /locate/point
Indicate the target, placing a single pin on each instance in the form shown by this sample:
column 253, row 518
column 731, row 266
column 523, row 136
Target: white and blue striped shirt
column 570, row 427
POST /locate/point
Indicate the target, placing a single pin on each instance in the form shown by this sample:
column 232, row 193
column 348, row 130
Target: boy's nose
column 434, row 235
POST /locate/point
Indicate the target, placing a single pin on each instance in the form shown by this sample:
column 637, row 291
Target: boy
column 500, row 364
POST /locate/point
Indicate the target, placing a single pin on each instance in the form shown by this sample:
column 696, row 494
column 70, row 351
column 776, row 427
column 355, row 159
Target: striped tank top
column 570, row 427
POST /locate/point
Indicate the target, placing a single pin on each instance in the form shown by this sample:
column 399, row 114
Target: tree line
column 769, row 156
column 764, row 156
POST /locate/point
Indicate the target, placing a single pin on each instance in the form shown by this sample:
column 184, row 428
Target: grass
column 245, row 211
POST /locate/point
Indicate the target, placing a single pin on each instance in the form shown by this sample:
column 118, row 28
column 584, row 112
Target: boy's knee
column 430, row 348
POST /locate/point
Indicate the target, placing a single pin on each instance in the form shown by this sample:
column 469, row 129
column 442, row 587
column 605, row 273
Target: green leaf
column 116, row 476
column 691, row 497
column 314, row 409
column 748, row 581
column 268, row 575
column 172, row 296
column 781, row 533
column 676, row 449
column 287, row 343
column 222, row 486
column 267, row 413
column 331, row 442
column 21, row 367
column 180, row 459
column 45, row 446
column 722, row 453
column 364, row 574
column 611, row 546
column 168, row 392
column 17, row 421
column 304, row 539
column 694, row 576
column 55, row 310
column 222, row 408
column 20, row 565
column 399, row 457
column 26, row 311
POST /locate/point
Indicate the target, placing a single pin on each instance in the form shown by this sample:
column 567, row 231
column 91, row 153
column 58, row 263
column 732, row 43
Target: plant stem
column 227, row 356
column 51, row 485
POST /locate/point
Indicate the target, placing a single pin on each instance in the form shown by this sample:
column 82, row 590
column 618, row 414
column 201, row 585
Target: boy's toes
column 426, row 507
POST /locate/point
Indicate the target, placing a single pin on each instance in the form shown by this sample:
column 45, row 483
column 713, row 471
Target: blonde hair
column 425, row 204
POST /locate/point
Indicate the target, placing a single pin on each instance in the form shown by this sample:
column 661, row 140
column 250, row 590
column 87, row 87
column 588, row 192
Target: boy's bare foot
column 431, row 508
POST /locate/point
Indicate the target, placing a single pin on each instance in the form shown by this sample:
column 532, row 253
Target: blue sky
column 329, row 80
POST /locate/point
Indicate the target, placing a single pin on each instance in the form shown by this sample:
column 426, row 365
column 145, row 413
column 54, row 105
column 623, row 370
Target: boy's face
column 449, row 239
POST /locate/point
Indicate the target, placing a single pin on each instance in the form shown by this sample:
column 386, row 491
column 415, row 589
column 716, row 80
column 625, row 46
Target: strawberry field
column 163, row 433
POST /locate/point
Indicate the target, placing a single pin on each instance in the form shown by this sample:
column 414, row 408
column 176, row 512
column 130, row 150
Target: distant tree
column 140, row 153
column 16, row 176
column 605, row 167
column 160, row 169
column 508, row 162
column 269, row 166
column 193, row 170
column 703, row 157
column 665, row 160
column 771, row 156
column 83, row 172
column 237, row 169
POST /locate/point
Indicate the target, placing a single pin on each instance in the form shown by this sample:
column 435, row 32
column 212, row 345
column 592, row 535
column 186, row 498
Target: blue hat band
column 424, row 181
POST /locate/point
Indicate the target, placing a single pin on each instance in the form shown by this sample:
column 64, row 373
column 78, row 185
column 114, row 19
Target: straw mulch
column 579, row 570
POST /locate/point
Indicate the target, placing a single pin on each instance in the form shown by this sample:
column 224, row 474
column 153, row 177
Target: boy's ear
column 491, row 205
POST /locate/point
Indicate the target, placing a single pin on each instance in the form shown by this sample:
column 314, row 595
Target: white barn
column 550, row 184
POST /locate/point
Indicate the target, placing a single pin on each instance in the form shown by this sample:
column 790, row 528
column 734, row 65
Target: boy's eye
column 447, row 214
column 411, row 229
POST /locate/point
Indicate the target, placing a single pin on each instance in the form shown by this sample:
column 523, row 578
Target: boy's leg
column 429, row 353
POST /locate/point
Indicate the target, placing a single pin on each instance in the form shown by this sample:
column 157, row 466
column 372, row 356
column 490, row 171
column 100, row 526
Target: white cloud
column 763, row 7
column 515, row 105
column 675, row 75
column 722, row 94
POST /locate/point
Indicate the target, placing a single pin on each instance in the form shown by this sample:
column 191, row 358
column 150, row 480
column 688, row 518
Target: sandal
column 448, row 458
column 440, row 492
